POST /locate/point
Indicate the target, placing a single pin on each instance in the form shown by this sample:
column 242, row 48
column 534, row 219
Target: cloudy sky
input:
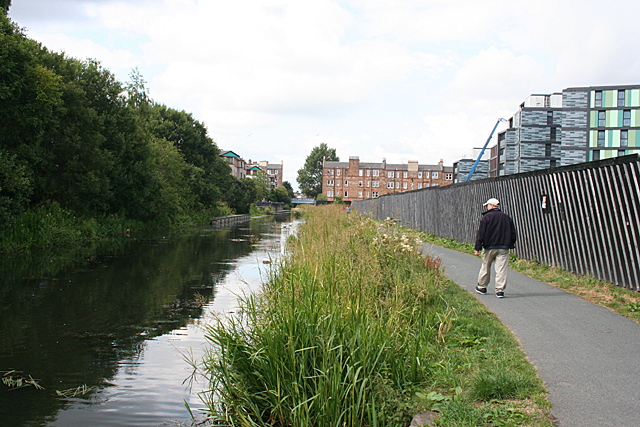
column 396, row 79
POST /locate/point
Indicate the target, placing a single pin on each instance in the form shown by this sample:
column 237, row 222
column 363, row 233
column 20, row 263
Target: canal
column 104, row 330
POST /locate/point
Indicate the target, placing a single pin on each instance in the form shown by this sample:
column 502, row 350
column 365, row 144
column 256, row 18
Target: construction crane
column 473, row 169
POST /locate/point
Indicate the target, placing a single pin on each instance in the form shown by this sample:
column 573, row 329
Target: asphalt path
column 588, row 356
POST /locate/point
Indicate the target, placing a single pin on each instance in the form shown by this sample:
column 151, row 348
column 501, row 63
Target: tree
column 310, row 176
column 5, row 4
column 262, row 183
column 289, row 188
column 279, row 195
column 190, row 137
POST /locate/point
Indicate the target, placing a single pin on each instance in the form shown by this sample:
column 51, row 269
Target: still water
column 112, row 323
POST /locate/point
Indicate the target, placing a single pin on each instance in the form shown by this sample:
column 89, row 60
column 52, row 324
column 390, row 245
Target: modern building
column 463, row 167
column 353, row 180
column 578, row 125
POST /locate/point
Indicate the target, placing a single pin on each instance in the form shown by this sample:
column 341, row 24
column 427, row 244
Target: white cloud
column 361, row 74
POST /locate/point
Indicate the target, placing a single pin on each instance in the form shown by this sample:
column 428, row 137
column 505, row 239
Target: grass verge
column 620, row 300
column 355, row 328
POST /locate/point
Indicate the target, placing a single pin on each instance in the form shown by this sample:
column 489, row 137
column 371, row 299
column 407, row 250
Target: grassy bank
column 356, row 328
column 620, row 300
column 54, row 226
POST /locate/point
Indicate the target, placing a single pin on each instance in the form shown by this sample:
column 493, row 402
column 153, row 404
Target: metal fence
column 584, row 218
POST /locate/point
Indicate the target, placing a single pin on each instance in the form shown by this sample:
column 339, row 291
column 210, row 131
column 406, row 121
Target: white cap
column 492, row 201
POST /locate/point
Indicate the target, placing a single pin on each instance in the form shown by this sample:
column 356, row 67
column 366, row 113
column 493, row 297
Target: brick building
column 357, row 181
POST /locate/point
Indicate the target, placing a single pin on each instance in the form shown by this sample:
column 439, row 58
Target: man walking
column 496, row 234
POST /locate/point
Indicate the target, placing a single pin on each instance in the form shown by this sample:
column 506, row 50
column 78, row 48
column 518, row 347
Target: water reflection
column 118, row 321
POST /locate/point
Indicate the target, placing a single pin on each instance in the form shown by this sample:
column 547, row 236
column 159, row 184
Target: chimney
column 354, row 165
column 384, row 163
column 441, row 164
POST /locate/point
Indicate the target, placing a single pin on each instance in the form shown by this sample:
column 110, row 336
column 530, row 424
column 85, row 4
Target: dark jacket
column 496, row 231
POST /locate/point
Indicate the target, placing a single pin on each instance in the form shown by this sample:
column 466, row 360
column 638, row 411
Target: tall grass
column 345, row 332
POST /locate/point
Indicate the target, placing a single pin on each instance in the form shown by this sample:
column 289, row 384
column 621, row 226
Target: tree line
column 72, row 135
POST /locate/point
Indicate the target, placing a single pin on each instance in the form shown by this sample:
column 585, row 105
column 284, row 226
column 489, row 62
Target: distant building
column 353, row 180
column 580, row 124
column 237, row 163
column 273, row 171
column 462, row 167
column 243, row 169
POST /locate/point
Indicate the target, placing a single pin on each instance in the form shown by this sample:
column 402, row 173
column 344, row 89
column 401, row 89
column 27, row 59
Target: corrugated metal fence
column 584, row 218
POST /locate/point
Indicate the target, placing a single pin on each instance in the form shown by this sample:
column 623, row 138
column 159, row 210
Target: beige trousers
column 501, row 258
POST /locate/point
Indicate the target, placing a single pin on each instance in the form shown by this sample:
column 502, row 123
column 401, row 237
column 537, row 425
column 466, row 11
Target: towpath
column 588, row 356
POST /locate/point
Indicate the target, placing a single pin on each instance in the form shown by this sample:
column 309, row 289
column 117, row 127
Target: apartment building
column 578, row 125
column 273, row 171
column 354, row 180
column 242, row 169
column 237, row 163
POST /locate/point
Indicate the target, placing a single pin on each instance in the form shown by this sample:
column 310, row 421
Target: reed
column 346, row 330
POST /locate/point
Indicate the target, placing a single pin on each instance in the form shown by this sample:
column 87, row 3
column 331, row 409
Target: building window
column 602, row 119
column 621, row 152
column 624, row 138
column 434, row 175
column 330, row 193
column 337, row 172
column 374, row 194
column 360, row 194
column 367, row 184
column 598, row 98
column 600, row 138
column 368, row 174
column 596, row 155
column 375, row 183
column 359, row 183
column 549, row 118
column 435, row 184
column 419, row 174
column 547, row 150
column 404, row 185
column 330, row 171
column 346, row 183
column 427, row 185
column 389, row 184
column 419, row 185
column 389, row 174
column 552, row 163
column 398, row 185
column 367, row 194
column 404, row 174
column 621, row 94
column 376, row 173
column 626, row 118
column 552, row 134
column 330, row 182
column 448, row 176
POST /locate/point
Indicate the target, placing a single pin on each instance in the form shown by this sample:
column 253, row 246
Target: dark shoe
column 500, row 294
column 481, row 291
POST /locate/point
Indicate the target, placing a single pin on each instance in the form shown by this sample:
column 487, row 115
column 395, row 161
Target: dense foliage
column 73, row 136
column 310, row 176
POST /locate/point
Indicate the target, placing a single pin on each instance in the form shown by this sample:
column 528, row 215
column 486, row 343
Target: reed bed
column 353, row 328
